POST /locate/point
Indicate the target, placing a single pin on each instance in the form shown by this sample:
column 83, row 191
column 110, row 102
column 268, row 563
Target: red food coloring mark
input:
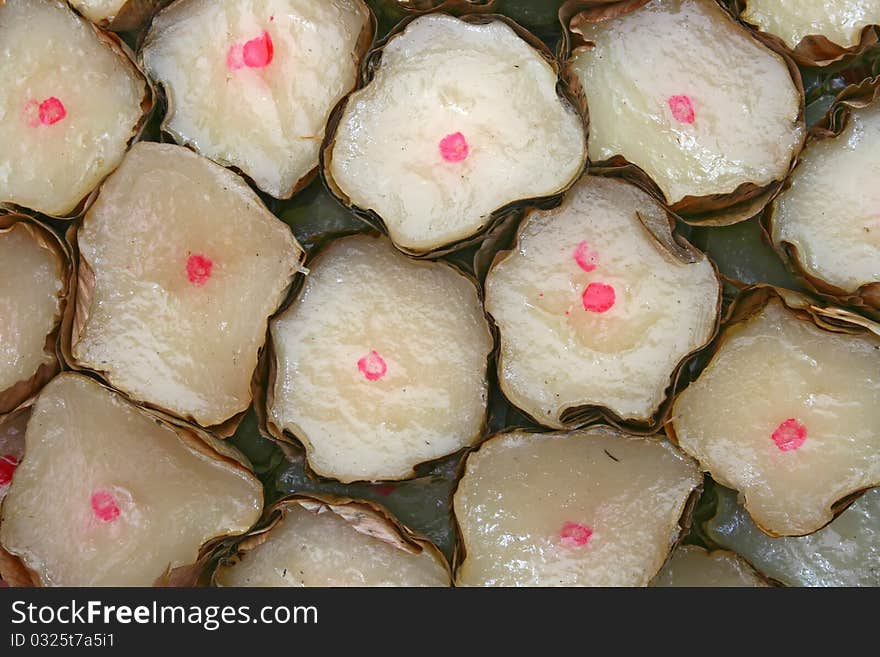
column 541, row 295
column 8, row 464
column 198, row 269
column 384, row 489
column 271, row 19
column 235, row 57
column 568, row 312
column 31, row 113
column 585, row 257
column 259, row 52
column 47, row 112
column 598, row 298
column 372, row 366
column 454, row 147
column 682, row 108
column 574, row 534
column 52, row 111
column 789, row 435
column 104, row 506
column 256, row 53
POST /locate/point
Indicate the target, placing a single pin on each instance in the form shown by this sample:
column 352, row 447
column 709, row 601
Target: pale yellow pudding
column 692, row 566
column 663, row 94
column 32, row 271
column 830, row 214
column 183, row 266
column 593, row 310
column 257, row 97
column 108, row 496
column 317, row 544
column 595, row 507
column 380, row 362
column 839, row 21
column 70, row 104
column 460, row 120
column 788, row 414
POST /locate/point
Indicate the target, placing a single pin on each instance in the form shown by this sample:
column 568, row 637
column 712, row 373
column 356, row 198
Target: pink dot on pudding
column 198, row 269
column 598, row 298
column 52, row 111
column 585, row 257
column 47, row 112
column 104, row 506
column 454, row 147
column 682, row 108
column 235, row 57
column 258, row 52
column 372, row 366
column 789, row 435
column 8, row 464
column 574, row 534
column 31, row 113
